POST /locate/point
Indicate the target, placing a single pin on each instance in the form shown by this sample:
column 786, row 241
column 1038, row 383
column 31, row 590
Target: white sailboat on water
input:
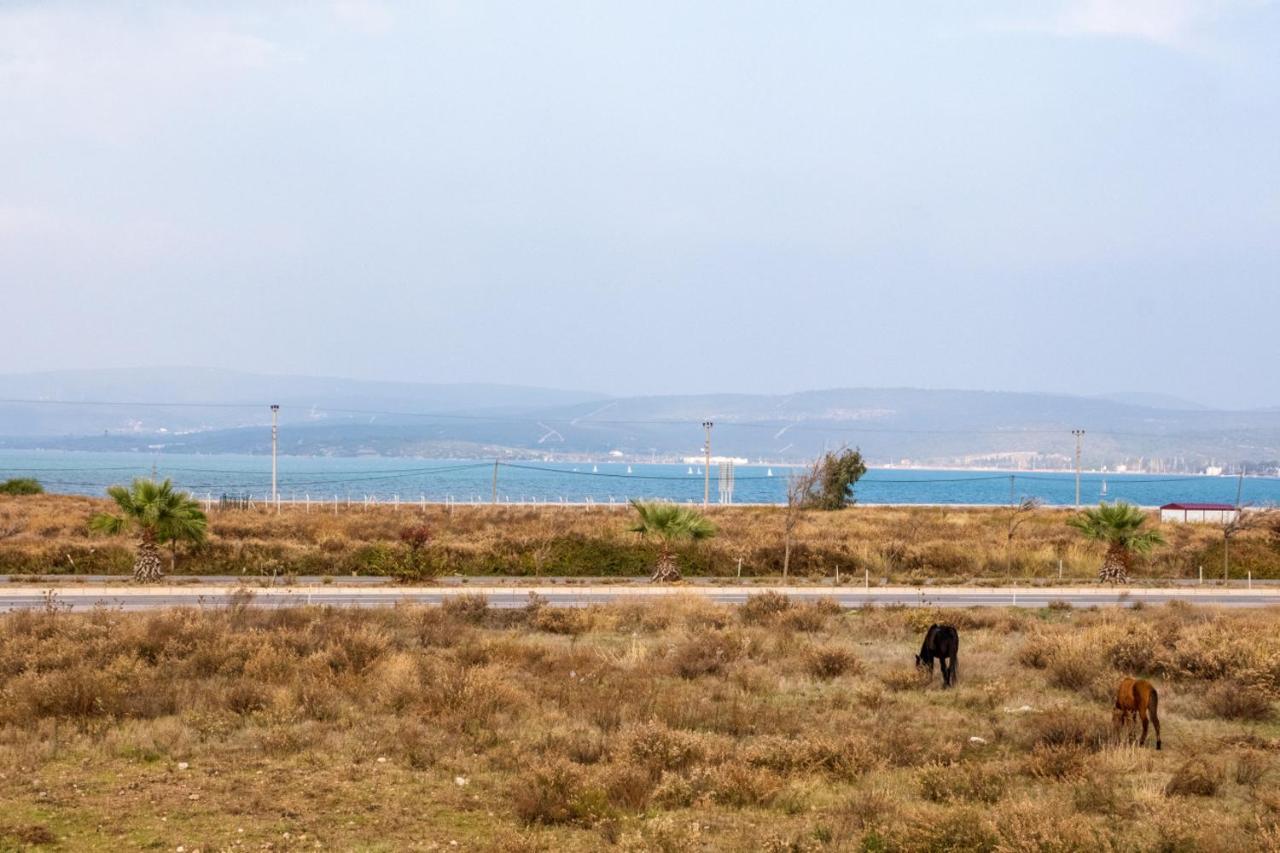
column 628, row 469
column 1104, row 487
column 769, row 473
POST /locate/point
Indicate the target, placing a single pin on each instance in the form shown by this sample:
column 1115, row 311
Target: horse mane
column 926, row 649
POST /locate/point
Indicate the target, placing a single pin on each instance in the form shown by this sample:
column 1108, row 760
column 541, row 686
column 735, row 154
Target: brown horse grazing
column 1136, row 696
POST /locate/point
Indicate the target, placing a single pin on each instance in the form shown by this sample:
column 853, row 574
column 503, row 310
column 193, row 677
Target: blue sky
column 1081, row 196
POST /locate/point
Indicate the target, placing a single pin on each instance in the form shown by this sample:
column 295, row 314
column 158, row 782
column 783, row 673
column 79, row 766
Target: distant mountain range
column 218, row 411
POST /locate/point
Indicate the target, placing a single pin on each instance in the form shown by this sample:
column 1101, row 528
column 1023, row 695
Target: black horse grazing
column 942, row 642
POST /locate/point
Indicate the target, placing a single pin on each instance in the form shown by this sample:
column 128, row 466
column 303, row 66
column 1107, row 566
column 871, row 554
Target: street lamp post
column 1079, row 434
column 275, row 432
column 706, row 470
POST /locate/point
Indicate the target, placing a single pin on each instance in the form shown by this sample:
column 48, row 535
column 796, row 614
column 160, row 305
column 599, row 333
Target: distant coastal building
column 1196, row 513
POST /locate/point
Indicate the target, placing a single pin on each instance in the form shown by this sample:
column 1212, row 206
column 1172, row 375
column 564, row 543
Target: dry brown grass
column 671, row 725
column 896, row 543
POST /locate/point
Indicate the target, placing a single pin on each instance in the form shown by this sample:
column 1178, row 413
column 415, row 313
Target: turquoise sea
column 387, row 479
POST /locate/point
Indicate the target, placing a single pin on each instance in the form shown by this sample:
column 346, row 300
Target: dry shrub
column 1251, row 766
column 629, row 786
column 470, row 607
column 1066, row 726
column 709, row 654
column 1197, row 776
column 1032, row 823
column 764, row 608
column 840, row 758
column 1098, row 794
column 828, row 662
column 956, row 829
column 396, row 682
column 904, row 677
column 556, row 794
column 1055, row 761
column 586, row 746
column 811, row 616
column 1073, row 662
column 1131, row 647
column 739, row 785
column 970, row 781
column 658, row 748
column 1036, row 650
column 561, row 620
column 865, row 809
column 1232, row 700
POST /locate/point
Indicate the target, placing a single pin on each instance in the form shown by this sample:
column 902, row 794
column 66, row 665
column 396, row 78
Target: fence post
column 1202, row 576
column 1059, row 568
column 1250, row 579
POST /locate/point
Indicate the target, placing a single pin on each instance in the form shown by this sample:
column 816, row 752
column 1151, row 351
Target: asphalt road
column 149, row 598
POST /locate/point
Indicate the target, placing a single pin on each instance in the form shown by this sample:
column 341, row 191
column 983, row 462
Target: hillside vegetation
column 49, row 534
column 670, row 726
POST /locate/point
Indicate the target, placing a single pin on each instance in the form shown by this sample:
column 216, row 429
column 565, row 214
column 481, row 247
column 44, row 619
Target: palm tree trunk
column 666, row 570
column 147, row 564
column 1115, row 566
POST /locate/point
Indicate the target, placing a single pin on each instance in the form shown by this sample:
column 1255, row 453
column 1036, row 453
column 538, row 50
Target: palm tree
column 159, row 514
column 670, row 523
column 1120, row 526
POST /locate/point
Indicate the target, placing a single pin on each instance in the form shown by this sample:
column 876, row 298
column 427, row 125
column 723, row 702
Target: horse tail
column 1155, row 714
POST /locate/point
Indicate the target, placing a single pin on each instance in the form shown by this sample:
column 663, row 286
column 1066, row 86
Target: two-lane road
column 81, row 597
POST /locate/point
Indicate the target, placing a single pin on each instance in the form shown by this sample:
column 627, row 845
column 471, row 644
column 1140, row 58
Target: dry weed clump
column 830, row 661
column 1196, row 776
column 1234, row 701
column 967, row 781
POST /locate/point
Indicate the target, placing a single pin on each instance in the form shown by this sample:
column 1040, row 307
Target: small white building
column 1193, row 513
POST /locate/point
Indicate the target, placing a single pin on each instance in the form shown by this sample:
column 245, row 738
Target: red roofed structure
column 1198, row 513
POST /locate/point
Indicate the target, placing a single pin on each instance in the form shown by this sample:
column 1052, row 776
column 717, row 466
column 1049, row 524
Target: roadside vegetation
column 21, row 486
column 46, row 534
column 678, row 725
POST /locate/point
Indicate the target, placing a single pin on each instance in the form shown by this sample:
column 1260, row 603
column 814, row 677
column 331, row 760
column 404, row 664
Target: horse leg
column 1155, row 717
column 1142, row 715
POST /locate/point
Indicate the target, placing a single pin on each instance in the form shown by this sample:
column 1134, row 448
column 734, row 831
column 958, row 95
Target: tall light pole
column 275, row 432
column 1079, row 434
column 706, row 470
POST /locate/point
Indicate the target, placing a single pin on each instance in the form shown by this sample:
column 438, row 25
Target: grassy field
column 673, row 726
column 48, row 534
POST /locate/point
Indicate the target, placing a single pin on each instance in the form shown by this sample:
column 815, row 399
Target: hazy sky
column 650, row 197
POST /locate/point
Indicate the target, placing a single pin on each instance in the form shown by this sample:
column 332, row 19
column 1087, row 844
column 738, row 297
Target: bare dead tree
column 799, row 494
column 1018, row 515
column 1245, row 519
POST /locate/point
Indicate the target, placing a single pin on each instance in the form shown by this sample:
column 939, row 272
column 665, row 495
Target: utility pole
column 275, row 434
column 1079, row 434
column 706, row 469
